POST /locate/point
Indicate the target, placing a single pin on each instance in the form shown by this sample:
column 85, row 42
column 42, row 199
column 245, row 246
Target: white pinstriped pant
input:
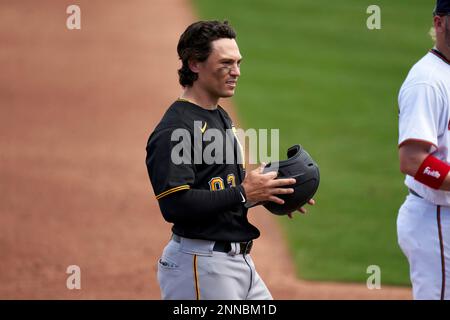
column 190, row 270
column 424, row 236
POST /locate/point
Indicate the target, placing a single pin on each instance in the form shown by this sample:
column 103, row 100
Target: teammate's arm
column 412, row 155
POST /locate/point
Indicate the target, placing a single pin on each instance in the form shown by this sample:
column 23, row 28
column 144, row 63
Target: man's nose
column 235, row 70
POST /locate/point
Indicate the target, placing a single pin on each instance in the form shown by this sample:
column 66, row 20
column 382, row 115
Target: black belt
column 224, row 246
column 415, row 193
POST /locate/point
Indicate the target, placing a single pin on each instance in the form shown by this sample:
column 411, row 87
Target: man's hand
column 261, row 186
column 302, row 210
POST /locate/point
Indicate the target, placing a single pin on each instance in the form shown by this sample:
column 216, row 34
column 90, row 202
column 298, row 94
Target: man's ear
column 439, row 24
column 194, row 65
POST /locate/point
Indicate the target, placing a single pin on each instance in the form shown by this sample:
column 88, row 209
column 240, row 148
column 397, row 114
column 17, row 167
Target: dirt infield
column 76, row 108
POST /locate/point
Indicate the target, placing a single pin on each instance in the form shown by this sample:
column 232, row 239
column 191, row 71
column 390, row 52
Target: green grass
column 314, row 70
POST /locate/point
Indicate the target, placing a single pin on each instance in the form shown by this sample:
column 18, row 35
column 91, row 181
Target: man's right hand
column 261, row 187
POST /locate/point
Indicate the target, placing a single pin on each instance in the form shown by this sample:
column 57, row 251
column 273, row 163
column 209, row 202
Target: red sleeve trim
column 417, row 140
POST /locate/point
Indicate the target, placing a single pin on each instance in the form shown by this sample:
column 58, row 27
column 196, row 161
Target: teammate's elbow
column 407, row 167
column 411, row 157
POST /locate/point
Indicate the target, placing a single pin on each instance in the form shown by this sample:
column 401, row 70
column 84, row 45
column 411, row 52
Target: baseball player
column 423, row 222
column 208, row 254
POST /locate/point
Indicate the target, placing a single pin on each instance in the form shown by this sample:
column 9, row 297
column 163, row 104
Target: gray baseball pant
column 192, row 270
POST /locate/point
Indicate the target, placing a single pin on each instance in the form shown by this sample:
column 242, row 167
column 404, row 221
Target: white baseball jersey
column 424, row 102
column 423, row 221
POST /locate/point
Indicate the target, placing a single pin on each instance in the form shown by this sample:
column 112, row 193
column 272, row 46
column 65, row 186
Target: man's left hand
column 302, row 210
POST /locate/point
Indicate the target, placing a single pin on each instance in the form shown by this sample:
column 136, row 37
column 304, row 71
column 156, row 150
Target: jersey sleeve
column 420, row 114
column 169, row 167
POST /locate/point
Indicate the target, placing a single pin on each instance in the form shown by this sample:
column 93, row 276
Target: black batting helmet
column 302, row 167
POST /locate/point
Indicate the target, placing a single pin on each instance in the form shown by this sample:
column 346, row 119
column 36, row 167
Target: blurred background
column 77, row 106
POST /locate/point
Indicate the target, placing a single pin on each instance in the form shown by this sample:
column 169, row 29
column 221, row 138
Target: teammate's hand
column 260, row 187
column 302, row 210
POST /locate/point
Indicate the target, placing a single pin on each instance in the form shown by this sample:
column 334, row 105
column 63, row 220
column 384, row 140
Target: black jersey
column 185, row 153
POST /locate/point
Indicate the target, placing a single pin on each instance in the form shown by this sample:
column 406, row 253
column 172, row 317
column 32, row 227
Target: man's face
column 218, row 75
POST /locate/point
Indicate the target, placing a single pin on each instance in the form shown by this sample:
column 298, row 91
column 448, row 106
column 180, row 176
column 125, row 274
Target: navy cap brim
column 442, row 8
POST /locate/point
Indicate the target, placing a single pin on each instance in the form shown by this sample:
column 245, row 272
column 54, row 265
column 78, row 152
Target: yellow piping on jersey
column 197, row 288
column 167, row 192
column 185, row 100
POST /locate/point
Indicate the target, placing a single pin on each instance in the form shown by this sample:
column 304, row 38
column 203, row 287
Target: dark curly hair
column 195, row 44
